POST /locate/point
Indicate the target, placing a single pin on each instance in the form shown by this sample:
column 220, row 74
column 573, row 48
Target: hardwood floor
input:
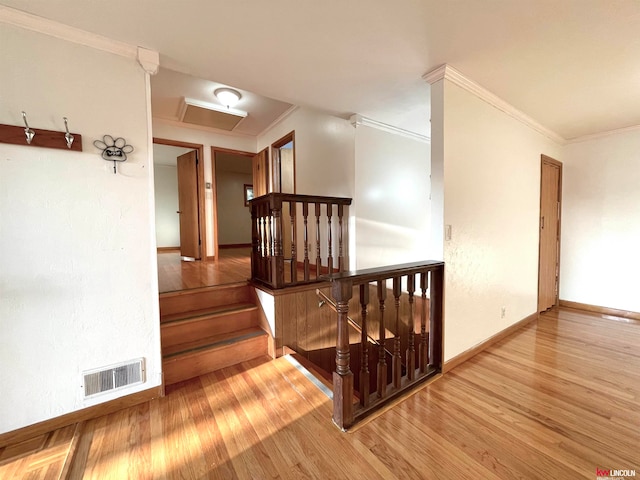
column 557, row 399
column 232, row 266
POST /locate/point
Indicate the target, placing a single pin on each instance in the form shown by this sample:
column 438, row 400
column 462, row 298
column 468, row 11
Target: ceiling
column 168, row 88
column 572, row 65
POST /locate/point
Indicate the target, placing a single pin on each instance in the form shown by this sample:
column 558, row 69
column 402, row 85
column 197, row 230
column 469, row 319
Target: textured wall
column 491, row 169
column 600, row 260
column 78, row 285
column 392, row 191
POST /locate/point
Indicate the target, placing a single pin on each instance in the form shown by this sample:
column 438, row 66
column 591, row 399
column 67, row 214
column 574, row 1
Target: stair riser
column 187, row 301
column 177, row 369
column 181, row 332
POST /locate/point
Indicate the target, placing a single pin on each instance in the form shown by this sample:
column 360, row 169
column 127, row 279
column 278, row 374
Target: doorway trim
column 202, row 224
column 550, row 161
column 214, row 150
column 275, row 172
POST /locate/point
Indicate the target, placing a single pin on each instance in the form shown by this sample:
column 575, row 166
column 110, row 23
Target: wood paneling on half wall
column 310, row 330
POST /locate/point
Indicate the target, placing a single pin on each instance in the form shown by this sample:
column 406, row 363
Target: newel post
column 342, row 377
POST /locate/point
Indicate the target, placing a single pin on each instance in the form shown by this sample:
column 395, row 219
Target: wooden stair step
column 207, row 323
column 211, row 341
column 195, row 358
column 172, row 303
column 211, row 312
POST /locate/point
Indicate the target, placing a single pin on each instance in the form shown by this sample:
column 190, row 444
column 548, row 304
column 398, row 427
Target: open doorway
column 233, row 187
column 283, row 167
column 179, row 205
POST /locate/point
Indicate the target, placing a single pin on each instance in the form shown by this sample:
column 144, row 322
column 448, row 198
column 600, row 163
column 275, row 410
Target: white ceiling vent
column 113, row 377
column 209, row 114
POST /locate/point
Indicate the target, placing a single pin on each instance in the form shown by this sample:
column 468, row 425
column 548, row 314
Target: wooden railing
column 417, row 352
column 280, row 223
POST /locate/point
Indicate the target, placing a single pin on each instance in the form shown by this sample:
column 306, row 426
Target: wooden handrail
column 430, row 277
column 276, row 222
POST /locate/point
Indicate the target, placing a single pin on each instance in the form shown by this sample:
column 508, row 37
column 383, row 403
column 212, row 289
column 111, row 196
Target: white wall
column 491, row 167
column 166, row 195
column 392, row 189
column 234, row 219
column 78, row 284
column 168, row 130
column 600, row 258
column 324, row 151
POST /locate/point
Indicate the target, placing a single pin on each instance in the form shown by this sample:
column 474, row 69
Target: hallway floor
column 559, row 398
column 232, row 266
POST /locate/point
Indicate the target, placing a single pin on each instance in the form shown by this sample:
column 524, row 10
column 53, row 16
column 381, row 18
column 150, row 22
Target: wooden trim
column 289, row 137
column 214, row 206
column 552, row 161
column 231, row 150
column 202, row 222
column 168, row 249
column 282, row 141
column 602, row 310
column 15, row 135
column 473, row 351
column 202, row 219
column 210, row 258
column 25, row 433
column 235, row 245
column 176, row 143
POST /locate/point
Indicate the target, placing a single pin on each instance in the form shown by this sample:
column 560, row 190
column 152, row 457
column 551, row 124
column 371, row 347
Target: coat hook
column 27, row 131
column 67, row 136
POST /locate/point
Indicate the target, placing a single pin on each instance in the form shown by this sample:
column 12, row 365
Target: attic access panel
column 210, row 115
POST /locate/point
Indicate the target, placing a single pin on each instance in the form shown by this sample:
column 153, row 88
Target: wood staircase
column 206, row 329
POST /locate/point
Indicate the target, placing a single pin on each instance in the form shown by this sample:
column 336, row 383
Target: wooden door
column 260, row 174
column 188, row 205
column 550, row 207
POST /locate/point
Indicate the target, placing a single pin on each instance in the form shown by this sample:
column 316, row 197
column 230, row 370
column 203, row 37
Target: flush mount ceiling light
column 227, row 96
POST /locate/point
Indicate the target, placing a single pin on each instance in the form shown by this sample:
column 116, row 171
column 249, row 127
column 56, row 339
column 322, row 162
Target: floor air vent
column 113, row 377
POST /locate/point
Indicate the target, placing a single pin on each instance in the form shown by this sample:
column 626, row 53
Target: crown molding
column 286, row 114
column 608, row 133
column 21, row 19
column 357, row 120
column 449, row 73
column 149, row 60
column 189, row 126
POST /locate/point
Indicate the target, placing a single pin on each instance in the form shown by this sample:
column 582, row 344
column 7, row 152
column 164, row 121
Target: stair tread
column 204, row 312
column 212, row 342
column 208, row 289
